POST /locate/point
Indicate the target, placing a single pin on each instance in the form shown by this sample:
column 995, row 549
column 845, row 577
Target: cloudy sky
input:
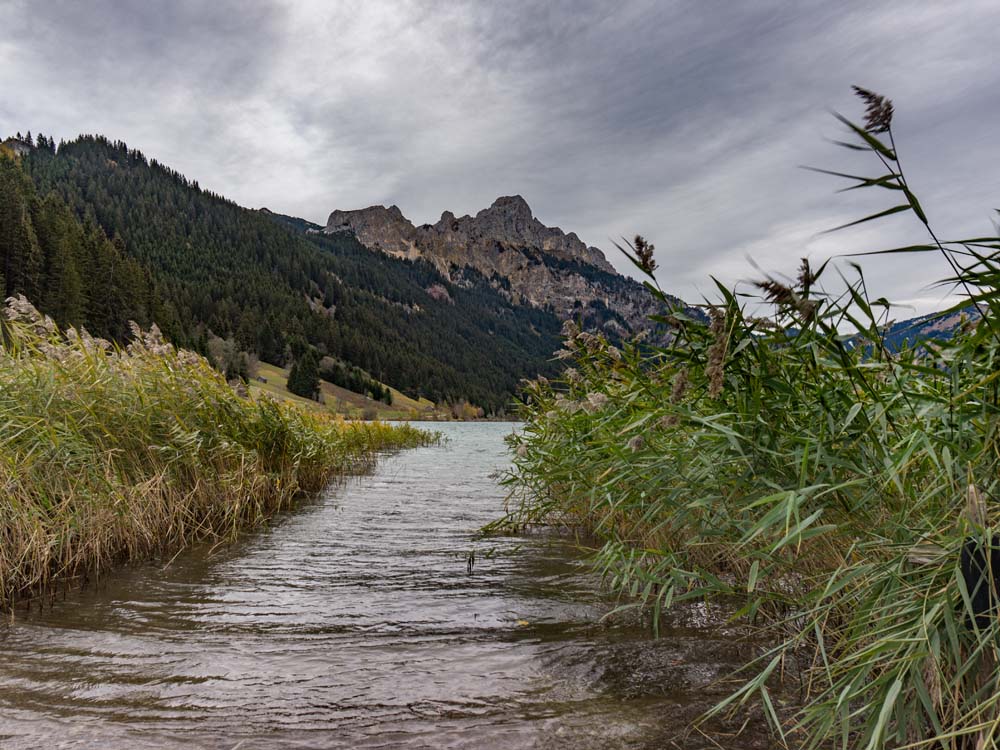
column 683, row 121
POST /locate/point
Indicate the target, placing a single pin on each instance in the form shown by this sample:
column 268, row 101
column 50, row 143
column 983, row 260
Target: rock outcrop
column 531, row 263
column 15, row 146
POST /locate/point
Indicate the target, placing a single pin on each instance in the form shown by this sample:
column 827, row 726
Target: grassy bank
column 336, row 400
column 110, row 455
column 834, row 497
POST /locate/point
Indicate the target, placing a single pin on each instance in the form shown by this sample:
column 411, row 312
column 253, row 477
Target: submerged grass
column 838, row 497
column 109, row 455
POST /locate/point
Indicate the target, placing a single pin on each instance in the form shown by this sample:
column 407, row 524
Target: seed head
column 785, row 296
column 644, row 252
column 566, row 405
column 806, row 277
column 718, row 318
column 879, row 111
column 715, row 369
column 679, row 386
column 669, row 420
column 20, row 310
column 776, row 292
column 765, row 323
column 597, row 399
column 189, row 358
column 595, row 402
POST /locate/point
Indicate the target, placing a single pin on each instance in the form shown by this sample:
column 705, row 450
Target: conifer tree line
column 353, row 379
column 96, row 234
column 71, row 270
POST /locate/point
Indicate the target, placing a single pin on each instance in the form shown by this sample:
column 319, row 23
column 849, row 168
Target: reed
column 110, row 454
column 795, row 474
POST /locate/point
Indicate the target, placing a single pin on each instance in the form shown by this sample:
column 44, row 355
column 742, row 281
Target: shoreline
column 115, row 455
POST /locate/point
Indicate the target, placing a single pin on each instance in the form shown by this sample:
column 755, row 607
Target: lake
column 355, row 621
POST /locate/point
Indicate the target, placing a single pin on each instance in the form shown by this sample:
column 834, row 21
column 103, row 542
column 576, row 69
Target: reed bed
column 837, row 498
column 111, row 454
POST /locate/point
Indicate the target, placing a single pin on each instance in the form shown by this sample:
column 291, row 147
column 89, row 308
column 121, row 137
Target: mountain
column 292, row 222
column 911, row 332
column 276, row 286
column 526, row 261
column 95, row 233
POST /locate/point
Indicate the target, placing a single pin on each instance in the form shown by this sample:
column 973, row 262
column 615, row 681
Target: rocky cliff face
column 532, row 263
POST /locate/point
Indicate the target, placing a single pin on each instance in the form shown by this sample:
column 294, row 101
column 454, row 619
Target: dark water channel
column 354, row 622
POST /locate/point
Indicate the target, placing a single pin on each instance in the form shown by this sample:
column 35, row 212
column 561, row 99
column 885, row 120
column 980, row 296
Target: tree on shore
column 303, row 380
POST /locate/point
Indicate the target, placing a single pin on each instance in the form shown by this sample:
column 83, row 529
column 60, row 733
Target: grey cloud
column 682, row 121
column 134, row 48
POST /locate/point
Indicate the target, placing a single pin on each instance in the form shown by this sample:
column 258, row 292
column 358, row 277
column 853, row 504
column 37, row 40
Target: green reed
column 112, row 454
column 814, row 485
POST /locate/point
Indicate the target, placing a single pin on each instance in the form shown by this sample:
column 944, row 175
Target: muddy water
column 354, row 622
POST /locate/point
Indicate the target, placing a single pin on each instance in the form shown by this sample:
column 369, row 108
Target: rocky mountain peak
column 511, row 204
column 377, row 227
column 510, row 219
column 371, row 216
column 510, row 208
column 532, row 263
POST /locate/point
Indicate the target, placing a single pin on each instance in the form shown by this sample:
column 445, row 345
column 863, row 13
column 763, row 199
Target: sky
column 686, row 122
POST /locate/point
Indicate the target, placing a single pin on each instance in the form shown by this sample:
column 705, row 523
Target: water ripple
column 354, row 622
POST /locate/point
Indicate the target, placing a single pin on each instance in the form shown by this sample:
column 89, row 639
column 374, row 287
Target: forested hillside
column 220, row 268
column 70, row 269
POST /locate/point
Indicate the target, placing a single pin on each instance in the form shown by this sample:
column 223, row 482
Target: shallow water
column 354, row 622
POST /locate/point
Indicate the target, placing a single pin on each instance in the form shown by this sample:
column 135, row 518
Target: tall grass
column 814, row 485
column 109, row 454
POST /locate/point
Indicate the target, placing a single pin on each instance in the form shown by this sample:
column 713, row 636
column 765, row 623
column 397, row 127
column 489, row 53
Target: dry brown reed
column 109, row 455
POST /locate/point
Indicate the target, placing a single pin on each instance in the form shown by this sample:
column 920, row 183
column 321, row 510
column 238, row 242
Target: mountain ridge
column 276, row 289
column 916, row 331
column 509, row 219
column 529, row 262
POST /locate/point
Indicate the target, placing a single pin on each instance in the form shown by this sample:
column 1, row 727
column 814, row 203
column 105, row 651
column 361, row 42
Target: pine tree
column 20, row 255
column 303, row 379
